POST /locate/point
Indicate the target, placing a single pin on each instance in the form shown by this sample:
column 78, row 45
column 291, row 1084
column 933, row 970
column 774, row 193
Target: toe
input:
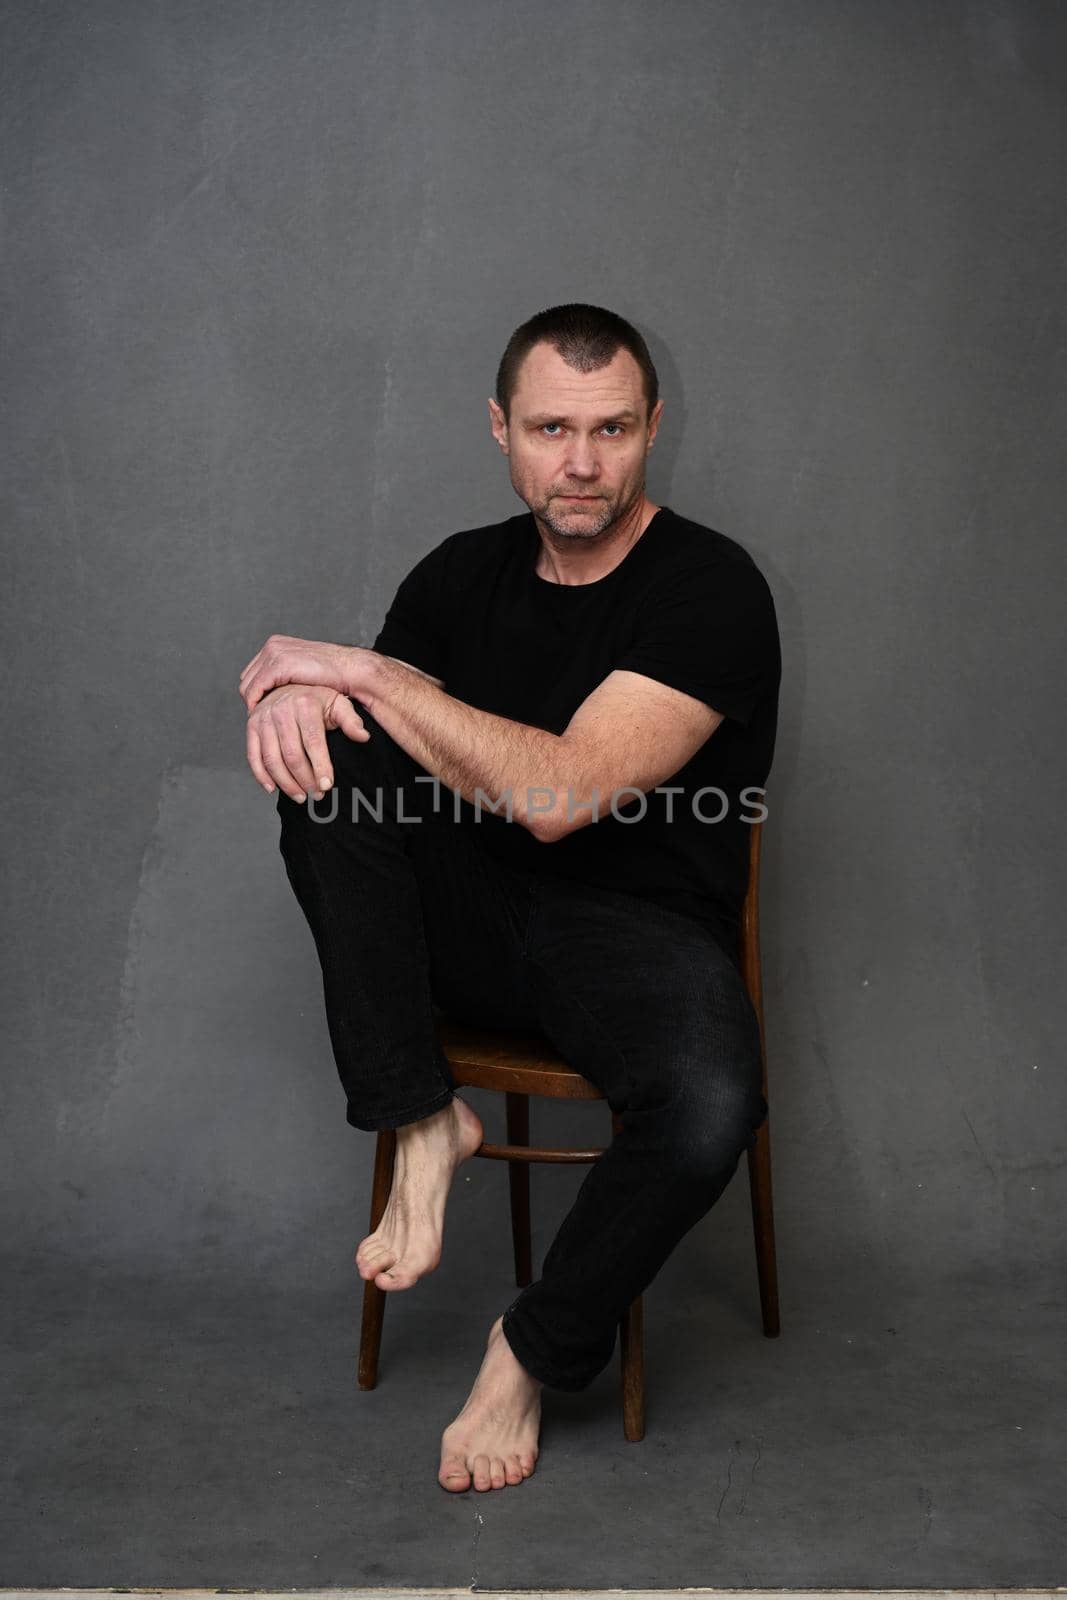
column 393, row 1278
column 482, row 1480
column 374, row 1258
column 514, row 1469
column 375, row 1247
column 454, row 1475
column 497, row 1475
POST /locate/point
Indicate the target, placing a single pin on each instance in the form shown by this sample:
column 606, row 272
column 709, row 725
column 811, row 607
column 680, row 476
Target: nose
column 581, row 464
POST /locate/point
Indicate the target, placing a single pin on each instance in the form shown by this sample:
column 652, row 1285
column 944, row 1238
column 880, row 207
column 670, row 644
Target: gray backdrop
column 261, row 263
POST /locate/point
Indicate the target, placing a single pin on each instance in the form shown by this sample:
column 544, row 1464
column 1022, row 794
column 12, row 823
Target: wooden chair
column 521, row 1065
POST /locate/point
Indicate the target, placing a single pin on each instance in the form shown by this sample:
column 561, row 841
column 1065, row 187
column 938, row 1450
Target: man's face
column 577, row 434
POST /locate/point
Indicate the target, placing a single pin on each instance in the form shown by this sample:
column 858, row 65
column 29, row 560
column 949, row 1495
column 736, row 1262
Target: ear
column 653, row 423
column 498, row 425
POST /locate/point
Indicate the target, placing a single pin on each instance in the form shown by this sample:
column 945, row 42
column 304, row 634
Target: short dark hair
column 587, row 337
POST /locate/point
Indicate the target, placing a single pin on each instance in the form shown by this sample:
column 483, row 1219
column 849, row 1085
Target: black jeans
column 410, row 913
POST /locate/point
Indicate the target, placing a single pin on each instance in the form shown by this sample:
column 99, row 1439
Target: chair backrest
column 751, row 966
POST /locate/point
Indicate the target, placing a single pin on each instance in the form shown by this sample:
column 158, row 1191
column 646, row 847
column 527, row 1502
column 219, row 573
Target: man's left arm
column 631, row 732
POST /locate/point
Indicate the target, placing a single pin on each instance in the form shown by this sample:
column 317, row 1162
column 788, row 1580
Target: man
column 596, row 683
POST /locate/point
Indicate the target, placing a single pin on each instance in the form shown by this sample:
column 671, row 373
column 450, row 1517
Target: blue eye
column 616, row 425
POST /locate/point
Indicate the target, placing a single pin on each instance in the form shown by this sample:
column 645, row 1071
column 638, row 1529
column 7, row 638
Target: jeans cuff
column 397, row 1119
column 543, row 1371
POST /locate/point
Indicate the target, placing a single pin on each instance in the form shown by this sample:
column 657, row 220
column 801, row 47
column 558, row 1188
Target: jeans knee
column 378, row 767
column 298, row 815
column 349, row 755
column 709, row 1135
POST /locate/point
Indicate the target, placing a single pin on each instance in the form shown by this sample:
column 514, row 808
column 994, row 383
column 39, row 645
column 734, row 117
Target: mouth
column 582, row 499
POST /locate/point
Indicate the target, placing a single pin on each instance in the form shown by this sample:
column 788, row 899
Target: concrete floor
column 197, row 1424
column 394, row 1593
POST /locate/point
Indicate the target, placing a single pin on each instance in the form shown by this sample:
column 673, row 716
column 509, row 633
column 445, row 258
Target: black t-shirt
column 687, row 606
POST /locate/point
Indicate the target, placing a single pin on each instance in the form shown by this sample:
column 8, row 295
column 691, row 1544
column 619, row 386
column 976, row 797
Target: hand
column 286, row 737
column 287, row 660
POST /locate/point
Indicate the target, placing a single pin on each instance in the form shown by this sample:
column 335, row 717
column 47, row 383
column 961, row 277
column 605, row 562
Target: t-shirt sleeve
column 711, row 632
column 414, row 626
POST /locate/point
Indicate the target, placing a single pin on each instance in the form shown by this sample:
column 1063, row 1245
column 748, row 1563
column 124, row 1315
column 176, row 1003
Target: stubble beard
column 593, row 522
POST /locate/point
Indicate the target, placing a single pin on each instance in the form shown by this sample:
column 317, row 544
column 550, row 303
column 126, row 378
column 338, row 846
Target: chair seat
column 522, row 1063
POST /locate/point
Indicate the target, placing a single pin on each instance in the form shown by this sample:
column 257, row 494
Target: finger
column 260, row 673
column 278, row 666
column 260, row 683
column 255, row 758
column 348, row 719
column 248, row 683
column 248, row 669
column 275, row 764
column 313, row 733
column 291, row 740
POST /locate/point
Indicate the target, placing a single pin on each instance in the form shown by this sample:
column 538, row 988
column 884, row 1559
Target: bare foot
column 493, row 1441
column 406, row 1244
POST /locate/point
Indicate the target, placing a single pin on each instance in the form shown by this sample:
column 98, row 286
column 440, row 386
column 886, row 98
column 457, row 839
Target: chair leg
column 632, row 1348
column 759, row 1180
column 518, row 1119
column 370, row 1340
column 632, row 1343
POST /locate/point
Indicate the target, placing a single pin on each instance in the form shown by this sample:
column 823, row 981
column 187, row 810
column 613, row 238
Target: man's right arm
column 288, row 728
column 293, row 740
column 285, row 737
